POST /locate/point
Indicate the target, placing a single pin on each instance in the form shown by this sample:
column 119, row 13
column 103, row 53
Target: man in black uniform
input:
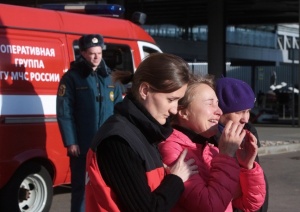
column 85, row 99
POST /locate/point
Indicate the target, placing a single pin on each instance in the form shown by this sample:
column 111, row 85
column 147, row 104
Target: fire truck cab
column 36, row 48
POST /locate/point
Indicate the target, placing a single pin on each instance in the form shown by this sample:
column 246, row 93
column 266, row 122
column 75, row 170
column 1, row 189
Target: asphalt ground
column 283, row 174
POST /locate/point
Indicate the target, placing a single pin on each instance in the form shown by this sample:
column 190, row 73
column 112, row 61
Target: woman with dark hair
column 124, row 168
column 228, row 175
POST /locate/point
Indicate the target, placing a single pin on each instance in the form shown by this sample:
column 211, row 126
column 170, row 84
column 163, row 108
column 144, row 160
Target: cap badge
column 94, row 40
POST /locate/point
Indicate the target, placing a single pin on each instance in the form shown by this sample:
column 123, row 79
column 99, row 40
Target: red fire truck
column 36, row 48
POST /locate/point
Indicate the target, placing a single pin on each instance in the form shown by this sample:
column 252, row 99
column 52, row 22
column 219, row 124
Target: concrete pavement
column 278, row 139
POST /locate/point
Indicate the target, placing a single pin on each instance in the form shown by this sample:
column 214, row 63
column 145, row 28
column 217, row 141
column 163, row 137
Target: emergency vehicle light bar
column 93, row 9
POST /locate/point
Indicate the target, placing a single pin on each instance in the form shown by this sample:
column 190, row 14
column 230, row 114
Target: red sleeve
column 253, row 188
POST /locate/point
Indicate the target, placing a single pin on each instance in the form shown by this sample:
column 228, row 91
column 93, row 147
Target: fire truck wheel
column 30, row 189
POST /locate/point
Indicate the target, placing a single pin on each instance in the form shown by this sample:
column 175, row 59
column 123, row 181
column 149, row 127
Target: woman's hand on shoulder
column 183, row 169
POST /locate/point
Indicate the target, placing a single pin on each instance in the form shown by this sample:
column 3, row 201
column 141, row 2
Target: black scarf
column 139, row 116
column 194, row 137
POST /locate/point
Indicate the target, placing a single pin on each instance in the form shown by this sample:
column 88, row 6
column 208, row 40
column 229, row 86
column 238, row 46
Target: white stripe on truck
column 27, row 105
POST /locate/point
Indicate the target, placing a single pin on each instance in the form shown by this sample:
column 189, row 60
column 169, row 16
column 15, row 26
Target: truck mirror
column 139, row 18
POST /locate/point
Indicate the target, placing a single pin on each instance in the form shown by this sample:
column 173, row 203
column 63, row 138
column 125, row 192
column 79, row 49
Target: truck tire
column 29, row 190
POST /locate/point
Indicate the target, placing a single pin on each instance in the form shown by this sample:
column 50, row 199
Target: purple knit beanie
column 234, row 95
